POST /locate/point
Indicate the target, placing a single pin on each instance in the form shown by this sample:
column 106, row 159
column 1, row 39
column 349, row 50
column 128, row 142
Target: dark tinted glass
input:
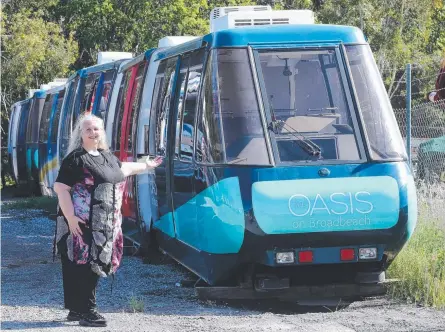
column 121, row 108
column 190, row 104
column 45, row 118
column 136, row 95
column 55, row 125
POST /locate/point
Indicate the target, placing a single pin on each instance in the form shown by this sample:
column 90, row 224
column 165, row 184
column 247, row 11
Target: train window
column 45, row 118
column 381, row 126
column 159, row 82
column 35, row 114
column 29, row 125
column 311, row 117
column 180, row 97
column 190, row 104
column 137, row 88
column 120, row 110
column 230, row 129
column 106, row 90
column 89, row 92
column 162, row 103
column 55, row 125
column 67, row 118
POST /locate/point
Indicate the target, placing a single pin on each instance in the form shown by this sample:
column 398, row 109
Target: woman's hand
column 73, row 224
column 144, row 165
column 152, row 163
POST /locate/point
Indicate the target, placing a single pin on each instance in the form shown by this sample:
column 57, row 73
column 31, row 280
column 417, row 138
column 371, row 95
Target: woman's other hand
column 74, row 225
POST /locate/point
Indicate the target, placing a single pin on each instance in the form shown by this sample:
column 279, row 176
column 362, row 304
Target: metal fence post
column 408, row 112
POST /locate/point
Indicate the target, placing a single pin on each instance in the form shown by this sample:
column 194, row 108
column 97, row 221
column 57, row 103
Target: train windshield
column 381, row 126
column 309, row 108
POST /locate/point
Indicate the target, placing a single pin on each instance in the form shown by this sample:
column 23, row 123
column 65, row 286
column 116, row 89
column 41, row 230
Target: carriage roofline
column 271, row 35
column 141, row 57
column 98, row 68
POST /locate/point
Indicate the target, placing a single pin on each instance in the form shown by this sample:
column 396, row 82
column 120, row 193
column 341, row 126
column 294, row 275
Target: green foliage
column 421, row 264
column 33, row 52
column 136, row 304
column 46, row 37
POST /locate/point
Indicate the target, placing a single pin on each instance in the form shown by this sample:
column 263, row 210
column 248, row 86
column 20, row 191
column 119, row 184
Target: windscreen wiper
column 305, row 143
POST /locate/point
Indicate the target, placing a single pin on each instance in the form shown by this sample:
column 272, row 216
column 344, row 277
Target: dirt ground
column 32, row 300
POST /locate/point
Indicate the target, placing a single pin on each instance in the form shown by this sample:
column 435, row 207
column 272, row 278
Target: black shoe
column 93, row 318
column 74, row 316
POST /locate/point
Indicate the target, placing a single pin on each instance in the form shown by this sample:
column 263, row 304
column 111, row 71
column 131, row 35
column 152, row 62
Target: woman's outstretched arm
column 133, row 168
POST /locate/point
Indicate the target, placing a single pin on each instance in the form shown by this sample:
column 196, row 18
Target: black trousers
column 79, row 286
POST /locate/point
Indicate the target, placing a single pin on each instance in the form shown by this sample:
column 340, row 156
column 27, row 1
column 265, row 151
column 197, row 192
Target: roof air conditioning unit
column 171, row 41
column 240, row 19
column 218, row 12
column 105, row 57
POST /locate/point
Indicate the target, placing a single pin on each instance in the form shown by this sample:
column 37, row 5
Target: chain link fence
column 427, row 139
column 427, row 156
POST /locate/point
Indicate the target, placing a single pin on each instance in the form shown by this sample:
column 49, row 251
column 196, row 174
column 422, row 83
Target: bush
column 420, row 266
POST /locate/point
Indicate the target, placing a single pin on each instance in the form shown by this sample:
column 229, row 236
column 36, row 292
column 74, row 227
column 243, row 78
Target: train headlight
column 285, row 257
column 367, row 253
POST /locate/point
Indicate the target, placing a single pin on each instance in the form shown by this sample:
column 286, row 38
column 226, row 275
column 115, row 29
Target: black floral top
column 97, row 184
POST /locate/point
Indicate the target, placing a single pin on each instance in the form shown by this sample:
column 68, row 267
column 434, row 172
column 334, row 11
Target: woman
column 88, row 234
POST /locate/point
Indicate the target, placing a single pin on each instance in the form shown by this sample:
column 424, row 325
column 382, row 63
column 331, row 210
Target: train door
column 86, row 95
column 183, row 170
column 159, row 123
column 103, row 93
column 127, row 152
column 43, row 142
column 113, row 102
column 52, row 139
column 66, row 119
column 13, row 133
column 22, row 173
column 124, row 91
column 11, row 121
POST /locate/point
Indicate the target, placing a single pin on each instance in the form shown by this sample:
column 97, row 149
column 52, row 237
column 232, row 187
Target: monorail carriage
column 283, row 162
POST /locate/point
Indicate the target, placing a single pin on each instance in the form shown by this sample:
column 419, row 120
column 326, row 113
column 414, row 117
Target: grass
column 136, row 304
column 43, row 203
column 420, row 266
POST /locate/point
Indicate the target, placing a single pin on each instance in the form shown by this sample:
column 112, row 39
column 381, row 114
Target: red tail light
column 305, row 256
column 347, row 254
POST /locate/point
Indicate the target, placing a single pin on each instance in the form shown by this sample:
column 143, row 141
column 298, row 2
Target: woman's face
column 91, row 132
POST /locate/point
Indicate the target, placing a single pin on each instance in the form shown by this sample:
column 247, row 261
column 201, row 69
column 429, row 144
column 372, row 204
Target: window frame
column 123, row 91
column 356, row 99
column 196, row 111
column 262, row 113
column 349, row 102
column 154, row 119
column 45, row 118
column 53, row 137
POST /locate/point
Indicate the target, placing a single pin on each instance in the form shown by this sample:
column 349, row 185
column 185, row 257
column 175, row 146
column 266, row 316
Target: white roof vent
column 105, row 57
column 241, row 19
column 221, row 11
column 170, row 41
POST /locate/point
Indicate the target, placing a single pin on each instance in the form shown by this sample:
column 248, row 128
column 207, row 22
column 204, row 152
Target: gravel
column 32, row 298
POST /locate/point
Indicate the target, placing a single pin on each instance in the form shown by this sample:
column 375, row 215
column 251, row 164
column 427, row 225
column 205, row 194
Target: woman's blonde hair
column 76, row 136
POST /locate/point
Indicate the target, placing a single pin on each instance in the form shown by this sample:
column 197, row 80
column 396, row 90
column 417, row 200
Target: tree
column 33, row 52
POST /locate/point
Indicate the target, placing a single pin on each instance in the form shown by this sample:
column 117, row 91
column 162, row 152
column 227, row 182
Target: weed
column 136, row 304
